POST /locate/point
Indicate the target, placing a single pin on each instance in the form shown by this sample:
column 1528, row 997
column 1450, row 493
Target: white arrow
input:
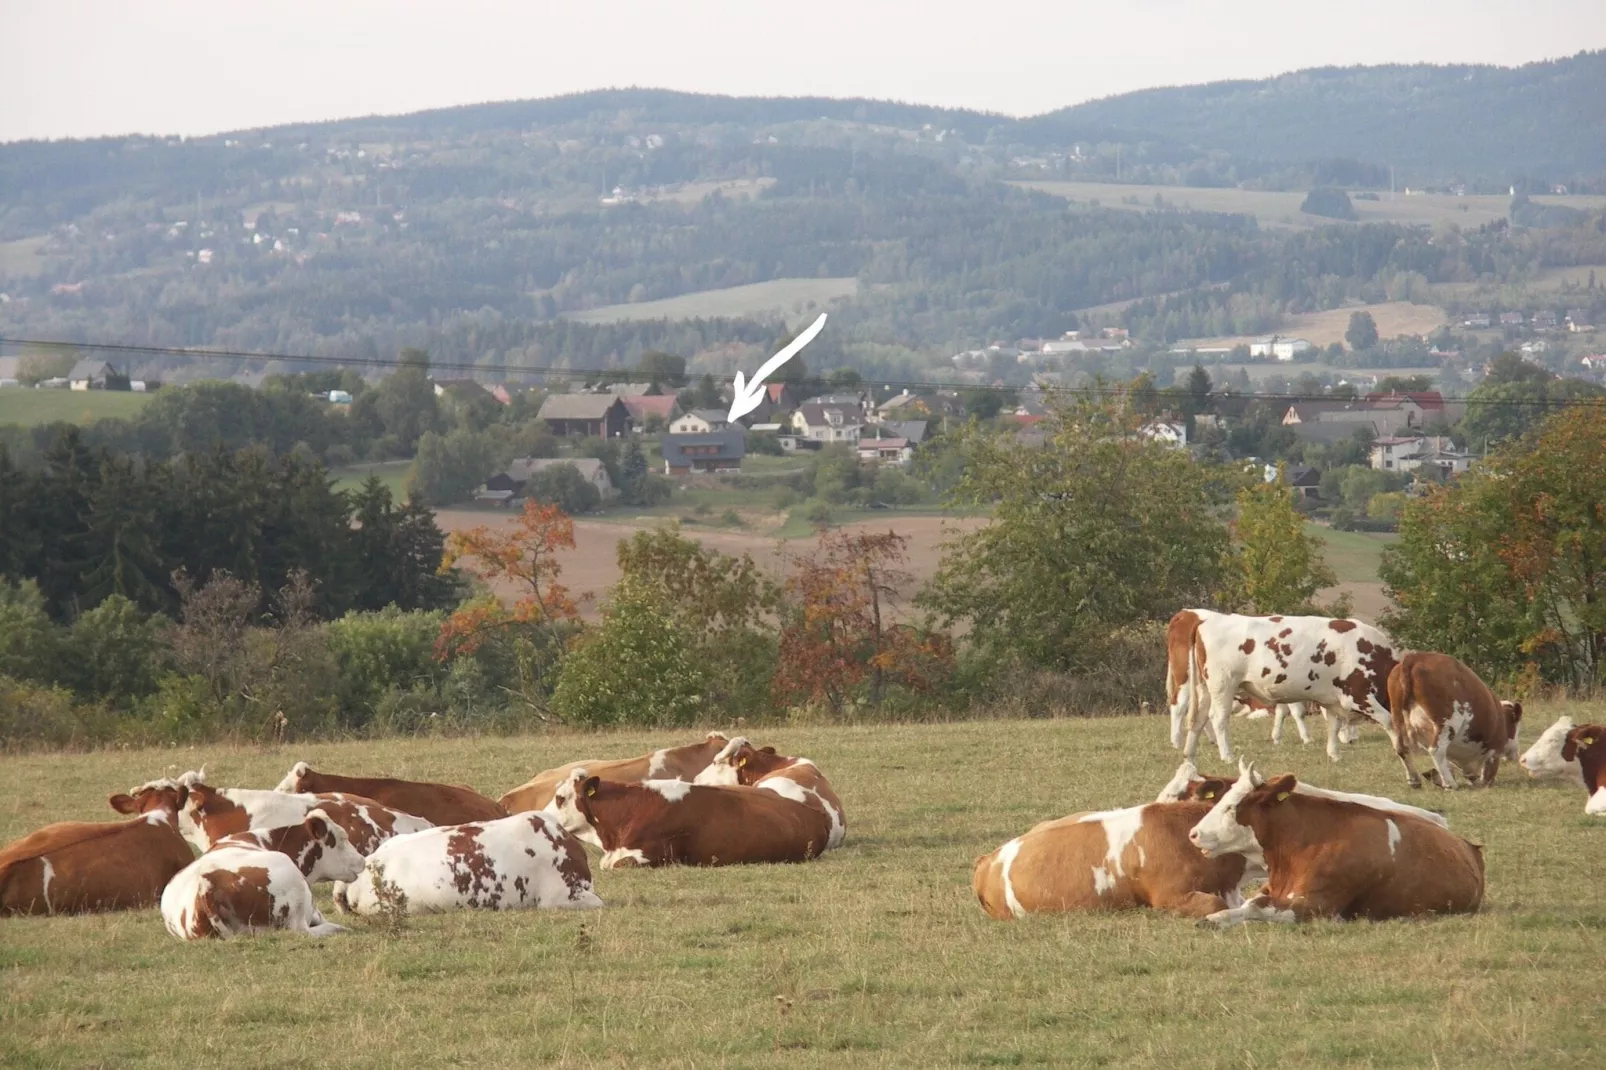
column 749, row 394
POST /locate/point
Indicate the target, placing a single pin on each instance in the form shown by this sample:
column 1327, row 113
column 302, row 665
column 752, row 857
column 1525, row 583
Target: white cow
column 527, row 860
column 1340, row 665
column 1544, row 760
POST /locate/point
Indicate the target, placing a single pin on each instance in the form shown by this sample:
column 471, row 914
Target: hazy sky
column 84, row 67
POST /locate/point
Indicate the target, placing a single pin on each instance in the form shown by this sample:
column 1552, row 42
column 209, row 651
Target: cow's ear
column 589, row 788
column 317, row 826
column 1281, row 787
column 1516, row 713
column 766, row 750
column 124, row 804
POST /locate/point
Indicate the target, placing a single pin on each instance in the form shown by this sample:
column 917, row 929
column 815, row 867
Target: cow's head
column 335, row 859
column 155, row 795
column 1188, row 784
column 1176, row 789
column 566, row 801
column 1513, row 715
column 292, row 780
column 1223, row 830
column 1586, row 745
column 1544, row 760
column 723, row 768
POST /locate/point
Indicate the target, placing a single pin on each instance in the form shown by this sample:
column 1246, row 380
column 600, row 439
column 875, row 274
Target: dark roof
column 732, row 444
column 1425, row 399
column 1304, row 477
column 913, row 430
column 1329, row 431
column 578, row 406
column 91, row 369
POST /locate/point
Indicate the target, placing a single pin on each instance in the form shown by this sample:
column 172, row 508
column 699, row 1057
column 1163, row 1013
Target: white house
column 700, row 422
column 1279, row 347
column 829, row 423
column 1168, row 432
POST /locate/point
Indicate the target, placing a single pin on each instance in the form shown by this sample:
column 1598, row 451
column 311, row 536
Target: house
column 1310, row 412
column 642, row 406
column 599, row 415
column 510, row 482
column 781, row 396
column 1331, row 433
column 1512, row 319
column 1279, row 347
column 829, row 423
column 1167, row 432
column 716, row 451
column 1026, row 414
column 1388, row 453
column 1478, row 321
column 1304, row 481
column 91, row 375
column 886, row 450
column 466, row 386
column 902, row 405
column 1421, row 407
column 1595, row 362
column 913, row 430
column 701, row 422
column 1580, row 320
column 625, row 389
column 500, row 393
column 1544, row 320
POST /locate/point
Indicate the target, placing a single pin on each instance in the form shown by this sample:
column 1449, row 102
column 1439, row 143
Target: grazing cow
column 673, row 763
column 255, row 881
column 797, row 779
column 77, row 867
column 665, row 822
column 1544, row 760
column 1441, row 706
column 523, row 861
column 212, row 813
column 1116, row 860
column 1586, row 745
column 1327, row 858
column 439, row 804
column 1340, row 665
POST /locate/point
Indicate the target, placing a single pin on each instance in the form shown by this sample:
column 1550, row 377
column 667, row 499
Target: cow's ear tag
column 741, row 763
column 591, row 791
column 1589, row 741
column 1208, row 795
column 1281, row 795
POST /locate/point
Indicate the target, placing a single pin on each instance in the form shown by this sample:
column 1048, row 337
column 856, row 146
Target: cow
column 668, row 822
column 1187, row 783
column 1341, row 665
column 79, row 867
column 797, row 779
column 212, row 813
column 1441, row 706
column 1254, row 709
column 1544, row 761
column 523, row 861
column 1114, row 860
column 1586, row 745
column 673, row 763
column 1328, row 858
column 256, row 881
column 439, row 804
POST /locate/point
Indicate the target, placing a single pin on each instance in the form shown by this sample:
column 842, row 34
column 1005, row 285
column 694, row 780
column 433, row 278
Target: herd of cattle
column 723, row 801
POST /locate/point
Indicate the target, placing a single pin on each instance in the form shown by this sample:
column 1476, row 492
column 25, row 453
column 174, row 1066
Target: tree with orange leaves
column 542, row 613
column 837, row 641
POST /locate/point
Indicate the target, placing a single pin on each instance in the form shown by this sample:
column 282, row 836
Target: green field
column 1353, row 555
column 879, row 947
column 1282, row 208
column 19, row 405
column 21, row 257
column 777, row 295
column 391, row 473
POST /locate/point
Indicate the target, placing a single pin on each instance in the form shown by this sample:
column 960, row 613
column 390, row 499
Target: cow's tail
column 1193, row 684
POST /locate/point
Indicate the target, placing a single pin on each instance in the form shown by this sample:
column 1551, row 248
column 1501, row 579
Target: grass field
column 1277, row 208
column 1354, row 555
column 777, row 295
column 392, row 473
column 1393, row 318
column 21, row 257
column 19, row 405
column 879, row 947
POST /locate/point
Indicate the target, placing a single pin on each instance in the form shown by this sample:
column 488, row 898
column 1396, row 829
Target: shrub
column 379, row 652
column 1328, row 202
column 562, row 485
column 635, row 668
column 28, row 638
column 47, row 716
column 114, row 652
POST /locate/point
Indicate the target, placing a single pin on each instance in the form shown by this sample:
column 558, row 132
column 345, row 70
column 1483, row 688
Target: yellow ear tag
column 1588, row 741
column 1281, row 795
column 1208, row 795
column 741, row 764
column 590, row 792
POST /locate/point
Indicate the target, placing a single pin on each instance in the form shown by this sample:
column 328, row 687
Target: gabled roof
column 631, row 389
column 713, row 416
column 523, row 468
column 1425, row 399
column 577, row 406
column 883, row 443
column 91, row 369
column 642, row 406
column 773, row 390
column 815, row 414
column 913, row 430
column 732, row 444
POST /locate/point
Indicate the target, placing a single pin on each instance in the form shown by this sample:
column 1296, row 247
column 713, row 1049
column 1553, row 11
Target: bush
column 47, row 716
column 765, row 442
column 29, row 639
column 114, row 652
column 635, row 668
column 783, row 498
column 562, row 485
column 1328, row 202
column 381, row 652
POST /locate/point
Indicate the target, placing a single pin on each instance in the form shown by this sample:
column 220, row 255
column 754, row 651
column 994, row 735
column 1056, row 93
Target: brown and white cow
column 256, row 881
column 1188, row 783
column 1586, row 745
column 672, row 763
column 1327, row 858
column 1251, row 707
column 1113, row 860
column 798, row 779
column 1340, row 665
column 1544, row 761
column 523, row 861
column 668, row 822
column 77, row 867
column 210, row 814
column 439, row 804
column 1441, row 706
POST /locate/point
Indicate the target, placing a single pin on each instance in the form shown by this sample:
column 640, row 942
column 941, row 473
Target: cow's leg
column 1400, row 736
column 1296, row 710
column 1491, row 766
column 1441, row 761
column 1286, row 909
column 1278, row 713
column 1220, row 718
column 1194, row 905
column 1333, row 715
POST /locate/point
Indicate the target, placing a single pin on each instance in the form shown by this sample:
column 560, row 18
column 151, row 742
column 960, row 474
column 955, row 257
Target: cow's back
column 439, row 804
column 1435, row 872
column 812, row 790
column 1330, row 661
column 723, row 825
column 82, row 867
column 536, row 793
column 1435, row 683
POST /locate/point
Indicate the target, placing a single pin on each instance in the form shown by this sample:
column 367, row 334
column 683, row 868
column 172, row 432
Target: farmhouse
column 1172, row 433
column 1408, row 453
column 509, row 483
column 469, row 387
column 701, row 422
column 897, row 451
column 829, row 422
column 1279, row 347
column 597, row 415
column 92, row 375
column 644, row 406
column 716, row 451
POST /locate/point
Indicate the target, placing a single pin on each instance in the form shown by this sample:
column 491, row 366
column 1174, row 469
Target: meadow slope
column 884, row 956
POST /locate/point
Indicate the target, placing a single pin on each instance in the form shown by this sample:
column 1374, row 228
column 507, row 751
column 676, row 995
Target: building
column 1579, row 320
column 643, row 406
column 1403, row 453
column 598, row 415
column 829, row 422
column 701, row 422
column 1279, row 347
column 717, row 452
column 92, row 375
column 510, row 482
column 1172, row 433
column 466, row 386
column 886, row 450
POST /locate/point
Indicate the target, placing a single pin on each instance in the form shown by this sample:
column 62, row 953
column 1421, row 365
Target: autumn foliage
column 837, row 642
column 523, row 555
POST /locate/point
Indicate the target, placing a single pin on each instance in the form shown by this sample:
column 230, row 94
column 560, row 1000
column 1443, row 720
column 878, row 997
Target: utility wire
column 237, row 355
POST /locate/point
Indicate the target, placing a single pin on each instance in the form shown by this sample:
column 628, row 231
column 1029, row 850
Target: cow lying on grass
column 518, row 862
column 439, row 804
column 256, row 881
column 76, row 867
column 1328, row 858
column 1440, row 705
column 209, row 813
column 1544, row 760
column 667, row 822
column 672, row 763
column 1586, row 745
column 797, row 779
column 1188, row 783
column 1115, row 860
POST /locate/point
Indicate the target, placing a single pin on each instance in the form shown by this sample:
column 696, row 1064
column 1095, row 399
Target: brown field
column 1324, row 328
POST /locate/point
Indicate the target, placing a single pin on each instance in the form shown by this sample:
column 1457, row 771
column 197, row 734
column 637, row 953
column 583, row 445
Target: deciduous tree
column 1274, row 564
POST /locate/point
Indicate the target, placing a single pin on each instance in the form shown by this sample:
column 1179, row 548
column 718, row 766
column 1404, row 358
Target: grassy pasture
column 777, row 295
column 21, row 258
column 879, row 947
column 1275, row 208
column 392, row 473
column 19, row 405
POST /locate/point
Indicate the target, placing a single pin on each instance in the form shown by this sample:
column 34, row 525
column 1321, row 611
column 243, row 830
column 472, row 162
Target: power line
column 1291, row 398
